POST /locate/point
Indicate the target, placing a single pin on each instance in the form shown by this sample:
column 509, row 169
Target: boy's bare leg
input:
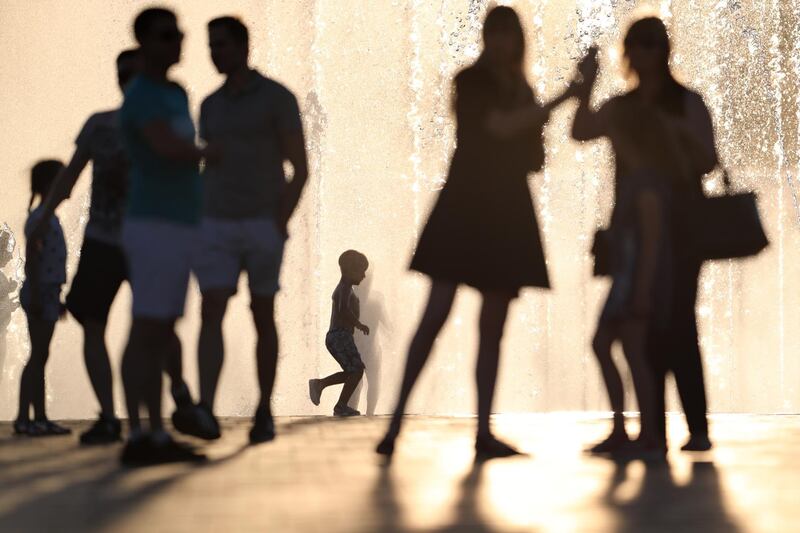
column 351, row 381
column 333, row 379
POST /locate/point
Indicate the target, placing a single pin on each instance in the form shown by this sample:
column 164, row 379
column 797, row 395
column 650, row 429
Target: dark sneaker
column 207, row 420
column 27, row 428
column 314, row 391
column 144, row 452
column 105, row 431
column 263, row 429
column 697, row 443
column 344, row 411
column 49, row 428
column 181, row 396
column 488, row 447
column 197, row 421
column 613, row 442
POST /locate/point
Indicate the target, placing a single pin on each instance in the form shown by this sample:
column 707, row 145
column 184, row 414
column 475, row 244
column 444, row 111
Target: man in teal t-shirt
column 160, row 231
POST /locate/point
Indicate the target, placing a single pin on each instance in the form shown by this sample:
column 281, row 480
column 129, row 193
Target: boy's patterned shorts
column 342, row 347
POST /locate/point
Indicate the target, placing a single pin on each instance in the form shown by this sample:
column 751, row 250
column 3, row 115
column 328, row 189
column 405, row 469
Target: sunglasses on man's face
column 169, row 36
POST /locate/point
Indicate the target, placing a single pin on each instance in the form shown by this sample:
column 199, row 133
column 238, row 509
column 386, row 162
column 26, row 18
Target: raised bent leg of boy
column 351, row 381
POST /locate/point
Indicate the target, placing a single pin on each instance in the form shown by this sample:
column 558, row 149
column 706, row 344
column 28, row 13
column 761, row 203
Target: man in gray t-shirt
column 256, row 123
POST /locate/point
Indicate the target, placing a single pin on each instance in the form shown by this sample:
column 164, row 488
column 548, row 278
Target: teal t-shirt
column 160, row 188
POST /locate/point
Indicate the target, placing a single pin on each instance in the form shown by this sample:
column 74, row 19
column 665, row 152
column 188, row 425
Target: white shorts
column 160, row 255
column 228, row 246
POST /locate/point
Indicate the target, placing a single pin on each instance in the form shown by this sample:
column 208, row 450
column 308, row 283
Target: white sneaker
column 314, row 391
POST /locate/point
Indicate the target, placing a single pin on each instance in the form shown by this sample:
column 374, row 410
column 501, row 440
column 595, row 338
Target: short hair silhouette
column 43, row 174
column 236, row 29
column 352, row 260
column 144, row 21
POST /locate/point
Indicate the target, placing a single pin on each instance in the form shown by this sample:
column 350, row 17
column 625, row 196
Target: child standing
column 339, row 340
column 45, row 273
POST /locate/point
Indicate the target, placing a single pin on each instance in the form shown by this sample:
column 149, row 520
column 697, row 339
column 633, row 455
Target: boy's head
column 354, row 266
column 43, row 174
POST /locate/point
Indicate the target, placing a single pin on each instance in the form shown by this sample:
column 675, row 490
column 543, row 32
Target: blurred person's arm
column 507, row 124
column 163, row 141
column 292, row 145
column 293, row 149
column 588, row 124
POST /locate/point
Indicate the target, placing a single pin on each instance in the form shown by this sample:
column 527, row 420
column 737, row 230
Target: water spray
column 794, row 197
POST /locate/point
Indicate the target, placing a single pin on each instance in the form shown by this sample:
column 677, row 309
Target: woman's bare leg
column 440, row 301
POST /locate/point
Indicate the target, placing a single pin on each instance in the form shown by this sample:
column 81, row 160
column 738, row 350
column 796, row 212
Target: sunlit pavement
column 322, row 475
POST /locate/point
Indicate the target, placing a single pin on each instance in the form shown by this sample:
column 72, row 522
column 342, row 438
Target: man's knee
column 263, row 308
column 215, row 302
column 153, row 331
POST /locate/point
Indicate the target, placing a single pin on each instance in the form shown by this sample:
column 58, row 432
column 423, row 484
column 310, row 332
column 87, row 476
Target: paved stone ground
column 321, row 475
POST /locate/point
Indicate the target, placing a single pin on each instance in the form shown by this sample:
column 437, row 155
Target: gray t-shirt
column 100, row 138
column 249, row 180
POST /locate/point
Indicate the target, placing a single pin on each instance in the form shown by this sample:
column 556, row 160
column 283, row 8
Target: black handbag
column 727, row 226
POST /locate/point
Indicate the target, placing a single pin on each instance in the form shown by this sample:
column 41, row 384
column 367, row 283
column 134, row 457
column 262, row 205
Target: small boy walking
column 339, row 340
